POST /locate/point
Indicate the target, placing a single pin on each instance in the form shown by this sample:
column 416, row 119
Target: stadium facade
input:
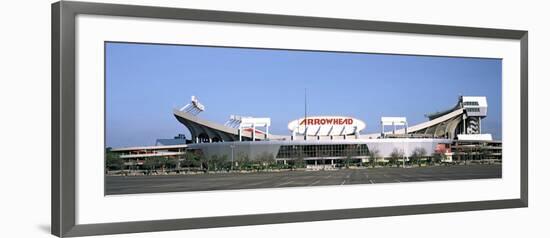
column 327, row 140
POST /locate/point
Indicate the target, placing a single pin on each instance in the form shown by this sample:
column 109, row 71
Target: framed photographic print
column 231, row 119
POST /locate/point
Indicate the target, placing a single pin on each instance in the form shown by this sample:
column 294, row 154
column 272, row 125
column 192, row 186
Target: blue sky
column 144, row 82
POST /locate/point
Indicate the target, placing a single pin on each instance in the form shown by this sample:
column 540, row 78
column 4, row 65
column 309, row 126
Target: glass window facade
column 319, row 151
column 471, row 103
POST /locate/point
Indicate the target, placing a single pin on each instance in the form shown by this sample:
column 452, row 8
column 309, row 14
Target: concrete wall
column 258, row 148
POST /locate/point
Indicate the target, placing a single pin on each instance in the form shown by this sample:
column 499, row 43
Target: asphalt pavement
column 227, row 181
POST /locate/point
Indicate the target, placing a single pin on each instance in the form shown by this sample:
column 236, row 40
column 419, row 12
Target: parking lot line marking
column 397, row 180
column 255, row 184
column 371, row 181
column 316, row 182
column 285, row 183
column 343, row 182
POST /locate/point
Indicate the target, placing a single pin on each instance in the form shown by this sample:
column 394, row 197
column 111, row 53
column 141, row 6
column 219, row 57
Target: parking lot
column 225, row 181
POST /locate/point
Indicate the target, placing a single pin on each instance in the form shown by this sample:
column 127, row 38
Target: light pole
column 404, row 145
column 232, row 155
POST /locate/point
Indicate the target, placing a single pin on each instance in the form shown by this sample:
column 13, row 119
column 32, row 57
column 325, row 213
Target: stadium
column 324, row 142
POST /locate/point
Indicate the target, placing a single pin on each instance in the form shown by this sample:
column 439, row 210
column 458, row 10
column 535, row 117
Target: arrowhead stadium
column 328, row 141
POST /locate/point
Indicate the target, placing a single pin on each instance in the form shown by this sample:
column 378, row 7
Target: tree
column 438, row 157
column 242, row 161
column 224, row 163
column 192, row 160
column 485, row 154
column 469, row 153
column 266, row 160
column 211, row 162
column 171, row 162
column 150, row 164
column 162, row 162
column 374, row 155
column 216, row 163
column 350, row 151
column 113, row 161
column 298, row 160
column 395, row 156
column 417, row 155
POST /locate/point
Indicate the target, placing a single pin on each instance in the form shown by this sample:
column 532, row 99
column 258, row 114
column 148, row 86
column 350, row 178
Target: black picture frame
column 64, row 108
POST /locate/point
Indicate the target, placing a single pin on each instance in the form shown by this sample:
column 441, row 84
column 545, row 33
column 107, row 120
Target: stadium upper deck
column 462, row 119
